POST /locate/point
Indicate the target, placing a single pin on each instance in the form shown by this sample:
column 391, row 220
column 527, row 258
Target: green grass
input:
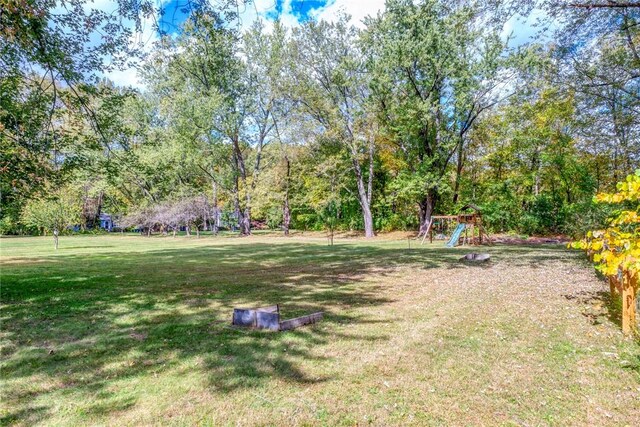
column 134, row 330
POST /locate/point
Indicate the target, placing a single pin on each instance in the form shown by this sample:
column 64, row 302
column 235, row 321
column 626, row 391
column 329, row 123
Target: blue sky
column 175, row 12
column 173, row 15
column 301, row 9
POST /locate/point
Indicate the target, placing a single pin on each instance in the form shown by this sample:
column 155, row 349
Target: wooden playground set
column 468, row 228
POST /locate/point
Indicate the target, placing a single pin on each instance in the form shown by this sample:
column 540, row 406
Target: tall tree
column 332, row 87
column 437, row 66
column 221, row 97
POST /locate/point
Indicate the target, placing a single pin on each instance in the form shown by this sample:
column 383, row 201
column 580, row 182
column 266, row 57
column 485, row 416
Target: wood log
column 287, row 325
column 614, row 286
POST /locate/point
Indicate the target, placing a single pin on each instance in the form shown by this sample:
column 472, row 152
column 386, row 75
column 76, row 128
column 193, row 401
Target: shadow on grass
column 598, row 306
column 86, row 322
column 634, row 363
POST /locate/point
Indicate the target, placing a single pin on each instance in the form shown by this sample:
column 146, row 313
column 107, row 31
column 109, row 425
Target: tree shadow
column 85, row 321
column 598, row 306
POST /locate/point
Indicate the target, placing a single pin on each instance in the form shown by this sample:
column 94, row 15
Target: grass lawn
column 129, row 330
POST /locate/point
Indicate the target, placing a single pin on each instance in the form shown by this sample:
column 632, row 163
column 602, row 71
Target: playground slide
column 455, row 236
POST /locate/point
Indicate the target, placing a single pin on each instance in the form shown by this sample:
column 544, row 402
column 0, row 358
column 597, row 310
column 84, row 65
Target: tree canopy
column 424, row 108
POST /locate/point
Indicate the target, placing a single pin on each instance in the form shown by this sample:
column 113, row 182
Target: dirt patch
column 507, row 239
column 138, row 336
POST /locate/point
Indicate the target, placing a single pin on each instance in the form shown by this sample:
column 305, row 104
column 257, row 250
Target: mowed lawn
column 130, row 330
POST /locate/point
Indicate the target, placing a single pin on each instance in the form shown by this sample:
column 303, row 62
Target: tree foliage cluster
column 617, row 247
column 424, row 109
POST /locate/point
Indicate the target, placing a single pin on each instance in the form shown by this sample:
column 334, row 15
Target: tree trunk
column 364, row 199
column 286, row 216
column 426, row 208
column 238, row 212
column 214, row 228
column 236, row 199
column 459, row 166
column 286, row 212
column 331, row 235
column 368, row 220
column 246, row 220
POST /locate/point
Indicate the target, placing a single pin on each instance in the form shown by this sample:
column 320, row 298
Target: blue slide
column 455, row 236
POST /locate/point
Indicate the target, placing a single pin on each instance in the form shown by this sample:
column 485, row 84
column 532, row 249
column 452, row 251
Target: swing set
column 464, row 228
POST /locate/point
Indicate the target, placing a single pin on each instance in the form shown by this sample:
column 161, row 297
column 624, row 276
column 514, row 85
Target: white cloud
column 524, row 29
column 265, row 10
column 128, row 77
column 357, row 9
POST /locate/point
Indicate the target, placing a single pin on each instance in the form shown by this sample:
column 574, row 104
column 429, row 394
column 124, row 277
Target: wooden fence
column 624, row 285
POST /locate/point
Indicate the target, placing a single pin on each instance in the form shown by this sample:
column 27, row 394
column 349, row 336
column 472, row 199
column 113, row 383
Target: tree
column 51, row 56
column 436, row 67
column 220, row 104
column 265, row 64
column 597, row 45
column 616, row 249
column 54, row 214
column 331, row 86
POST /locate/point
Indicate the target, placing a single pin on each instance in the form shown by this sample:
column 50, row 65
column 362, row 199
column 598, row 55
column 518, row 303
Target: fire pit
column 475, row 258
column 269, row 318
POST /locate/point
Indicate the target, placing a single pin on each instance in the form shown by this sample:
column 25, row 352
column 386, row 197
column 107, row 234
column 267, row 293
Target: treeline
column 424, row 109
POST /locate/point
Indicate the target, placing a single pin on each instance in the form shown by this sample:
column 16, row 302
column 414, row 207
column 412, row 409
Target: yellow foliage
column 617, row 248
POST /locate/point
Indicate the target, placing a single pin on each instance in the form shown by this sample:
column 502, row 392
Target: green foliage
column 435, row 67
column 422, row 111
column 54, row 214
column 7, row 225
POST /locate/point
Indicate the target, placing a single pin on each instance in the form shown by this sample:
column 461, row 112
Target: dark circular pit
column 476, row 257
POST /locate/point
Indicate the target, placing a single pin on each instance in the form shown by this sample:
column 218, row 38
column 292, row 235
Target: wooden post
column 629, row 288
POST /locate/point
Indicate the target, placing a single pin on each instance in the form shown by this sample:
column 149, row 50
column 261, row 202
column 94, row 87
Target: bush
column 7, row 225
column 394, row 222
